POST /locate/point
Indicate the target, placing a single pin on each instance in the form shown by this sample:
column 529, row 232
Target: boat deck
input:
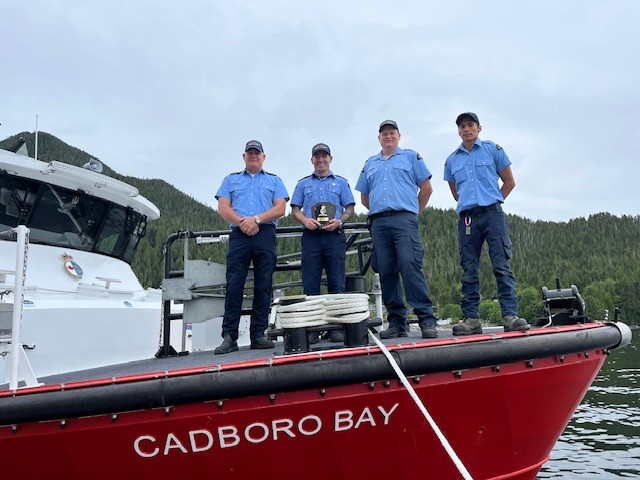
column 207, row 360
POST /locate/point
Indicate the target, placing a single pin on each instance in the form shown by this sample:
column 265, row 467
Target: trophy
column 323, row 212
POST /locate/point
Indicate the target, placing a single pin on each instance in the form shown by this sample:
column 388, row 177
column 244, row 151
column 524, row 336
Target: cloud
column 158, row 89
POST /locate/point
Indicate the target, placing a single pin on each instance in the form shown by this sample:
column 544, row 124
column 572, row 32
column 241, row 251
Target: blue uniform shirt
column 393, row 184
column 476, row 174
column 252, row 195
column 313, row 189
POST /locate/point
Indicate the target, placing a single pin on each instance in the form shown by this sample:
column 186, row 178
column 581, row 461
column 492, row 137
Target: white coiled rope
column 307, row 313
column 346, row 307
column 322, row 309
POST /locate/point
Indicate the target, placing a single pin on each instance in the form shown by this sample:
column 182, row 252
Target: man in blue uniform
column 473, row 171
column 251, row 201
column 395, row 186
column 323, row 241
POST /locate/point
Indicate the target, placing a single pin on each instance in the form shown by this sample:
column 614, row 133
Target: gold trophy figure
column 323, row 212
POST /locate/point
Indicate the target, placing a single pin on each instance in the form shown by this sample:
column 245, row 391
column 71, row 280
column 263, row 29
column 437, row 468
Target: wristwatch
column 257, row 219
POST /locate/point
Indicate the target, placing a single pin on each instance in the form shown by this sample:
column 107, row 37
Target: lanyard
column 467, row 224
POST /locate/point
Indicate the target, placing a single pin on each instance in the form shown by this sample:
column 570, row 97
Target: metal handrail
column 352, row 230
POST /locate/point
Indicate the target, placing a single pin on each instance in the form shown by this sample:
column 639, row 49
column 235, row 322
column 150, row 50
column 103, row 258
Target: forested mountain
column 599, row 254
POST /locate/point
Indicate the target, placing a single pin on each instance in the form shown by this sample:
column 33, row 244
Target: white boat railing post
column 185, row 266
column 376, row 291
column 19, row 362
column 18, row 298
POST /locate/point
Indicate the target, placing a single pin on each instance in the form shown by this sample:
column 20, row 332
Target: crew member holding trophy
column 322, row 202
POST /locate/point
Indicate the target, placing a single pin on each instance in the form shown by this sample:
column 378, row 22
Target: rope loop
column 322, row 309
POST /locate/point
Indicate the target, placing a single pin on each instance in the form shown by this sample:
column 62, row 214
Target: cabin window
column 16, row 199
column 121, row 233
column 67, row 218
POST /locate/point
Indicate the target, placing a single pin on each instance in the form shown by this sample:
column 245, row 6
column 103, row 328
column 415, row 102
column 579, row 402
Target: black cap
column 254, row 145
column 391, row 123
column 471, row 115
column 321, row 147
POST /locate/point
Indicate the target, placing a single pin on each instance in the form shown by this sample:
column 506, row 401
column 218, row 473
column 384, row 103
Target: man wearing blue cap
column 323, row 241
column 395, row 185
column 473, row 171
column 251, row 201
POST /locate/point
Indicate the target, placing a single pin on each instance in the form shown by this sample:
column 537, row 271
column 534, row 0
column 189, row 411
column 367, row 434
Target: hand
column 332, row 225
column 311, row 223
column 248, row 226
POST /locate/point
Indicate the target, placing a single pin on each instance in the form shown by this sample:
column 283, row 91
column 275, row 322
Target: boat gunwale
column 291, row 373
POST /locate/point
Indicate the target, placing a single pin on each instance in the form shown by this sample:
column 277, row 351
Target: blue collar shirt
column 393, row 183
column 313, row 189
column 251, row 195
column 476, row 174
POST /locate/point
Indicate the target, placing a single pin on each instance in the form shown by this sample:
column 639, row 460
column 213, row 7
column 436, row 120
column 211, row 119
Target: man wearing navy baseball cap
column 322, row 202
column 473, row 171
column 251, row 201
column 254, row 145
column 395, row 185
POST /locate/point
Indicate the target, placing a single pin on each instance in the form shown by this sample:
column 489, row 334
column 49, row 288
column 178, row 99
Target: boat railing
column 201, row 284
column 11, row 314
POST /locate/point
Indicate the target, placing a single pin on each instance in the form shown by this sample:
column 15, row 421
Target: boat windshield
column 67, row 218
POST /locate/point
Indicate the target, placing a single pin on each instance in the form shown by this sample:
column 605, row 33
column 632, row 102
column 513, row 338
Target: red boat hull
column 502, row 422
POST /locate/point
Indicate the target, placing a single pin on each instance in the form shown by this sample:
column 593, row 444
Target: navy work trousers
column 323, row 250
column 398, row 253
column 473, row 230
column 243, row 249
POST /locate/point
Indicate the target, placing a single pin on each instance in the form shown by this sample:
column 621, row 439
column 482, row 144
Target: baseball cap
column 471, row 115
column 254, row 145
column 320, row 147
column 390, row 123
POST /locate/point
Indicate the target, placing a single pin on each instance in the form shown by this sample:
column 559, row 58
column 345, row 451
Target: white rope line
column 302, row 322
column 355, row 317
column 307, row 313
column 345, row 298
column 304, row 306
column 342, row 311
column 321, row 309
column 434, row 426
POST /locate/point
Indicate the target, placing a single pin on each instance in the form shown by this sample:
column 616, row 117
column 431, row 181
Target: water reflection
column 602, row 441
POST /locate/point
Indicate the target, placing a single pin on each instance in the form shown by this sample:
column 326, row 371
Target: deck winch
column 562, row 306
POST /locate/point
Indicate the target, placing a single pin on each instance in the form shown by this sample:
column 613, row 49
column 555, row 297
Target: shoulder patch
column 498, row 147
column 237, row 173
column 419, row 156
column 272, row 174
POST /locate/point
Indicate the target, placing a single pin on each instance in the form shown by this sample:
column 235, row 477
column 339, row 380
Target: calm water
column 602, row 441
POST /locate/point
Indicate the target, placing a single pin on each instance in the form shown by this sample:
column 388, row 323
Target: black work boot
column 261, row 343
column 513, row 323
column 228, row 345
column 429, row 331
column 470, row 326
column 393, row 332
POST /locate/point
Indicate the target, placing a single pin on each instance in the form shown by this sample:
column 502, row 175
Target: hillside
column 600, row 254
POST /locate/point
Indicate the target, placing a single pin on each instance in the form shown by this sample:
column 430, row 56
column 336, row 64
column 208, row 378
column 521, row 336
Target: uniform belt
column 321, row 231
column 387, row 213
column 476, row 210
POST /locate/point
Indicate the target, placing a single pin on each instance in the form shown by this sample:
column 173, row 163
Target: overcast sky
column 173, row 90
